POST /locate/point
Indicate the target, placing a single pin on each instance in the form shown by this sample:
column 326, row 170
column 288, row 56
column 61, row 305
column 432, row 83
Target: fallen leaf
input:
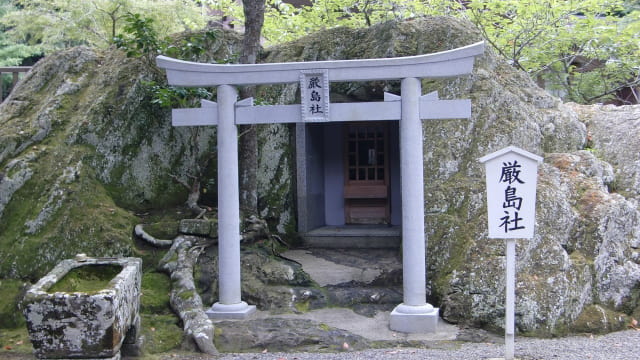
column 152, row 329
column 19, row 342
column 265, row 351
column 7, row 347
column 345, row 346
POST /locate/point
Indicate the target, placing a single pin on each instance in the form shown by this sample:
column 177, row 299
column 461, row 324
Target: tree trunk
column 254, row 19
column 248, row 142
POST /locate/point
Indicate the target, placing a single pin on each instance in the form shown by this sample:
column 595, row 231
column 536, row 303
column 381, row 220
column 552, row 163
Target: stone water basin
column 85, row 308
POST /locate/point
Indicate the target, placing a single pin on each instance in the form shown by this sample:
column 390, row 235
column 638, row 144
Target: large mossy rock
column 81, row 149
column 585, row 251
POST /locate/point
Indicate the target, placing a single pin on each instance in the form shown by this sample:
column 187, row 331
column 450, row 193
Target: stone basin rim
column 65, row 266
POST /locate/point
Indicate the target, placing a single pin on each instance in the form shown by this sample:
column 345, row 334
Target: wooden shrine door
column 366, row 188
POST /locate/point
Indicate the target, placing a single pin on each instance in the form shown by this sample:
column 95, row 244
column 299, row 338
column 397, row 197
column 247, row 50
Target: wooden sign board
column 511, row 176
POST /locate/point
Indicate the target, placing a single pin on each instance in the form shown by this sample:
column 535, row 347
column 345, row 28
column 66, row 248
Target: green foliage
column 14, row 54
column 56, row 24
column 582, row 50
column 284, row 22
column 11, row 53
column 139, row 39
column 177, row 97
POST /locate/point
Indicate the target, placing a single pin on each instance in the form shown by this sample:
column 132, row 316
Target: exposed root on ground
column 179, row 263
column 139, row 231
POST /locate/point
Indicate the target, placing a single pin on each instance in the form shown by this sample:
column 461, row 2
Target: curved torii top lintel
column 441, row 64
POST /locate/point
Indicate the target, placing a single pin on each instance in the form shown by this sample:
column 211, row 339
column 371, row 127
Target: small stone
column 82, row 257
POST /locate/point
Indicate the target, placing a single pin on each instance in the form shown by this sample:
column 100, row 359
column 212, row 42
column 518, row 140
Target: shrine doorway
column 348, row 174
column 366, row 174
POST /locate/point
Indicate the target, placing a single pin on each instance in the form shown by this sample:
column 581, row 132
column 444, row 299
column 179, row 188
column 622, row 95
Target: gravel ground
column 623, row 345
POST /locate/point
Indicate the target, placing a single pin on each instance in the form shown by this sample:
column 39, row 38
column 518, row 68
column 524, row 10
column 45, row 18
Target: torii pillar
column 230, row 304
column 414, row 315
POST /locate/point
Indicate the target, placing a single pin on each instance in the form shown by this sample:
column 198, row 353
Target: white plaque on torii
column 414, row 315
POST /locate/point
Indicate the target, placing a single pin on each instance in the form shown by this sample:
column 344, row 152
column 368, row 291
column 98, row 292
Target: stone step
column 353, row 237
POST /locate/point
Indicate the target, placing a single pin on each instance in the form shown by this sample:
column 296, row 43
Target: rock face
column 81, row 149
column 585, row 251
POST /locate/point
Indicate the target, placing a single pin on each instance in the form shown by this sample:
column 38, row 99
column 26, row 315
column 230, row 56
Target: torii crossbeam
column 414, row 315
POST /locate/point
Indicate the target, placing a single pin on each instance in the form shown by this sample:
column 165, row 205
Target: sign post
column 511, row 177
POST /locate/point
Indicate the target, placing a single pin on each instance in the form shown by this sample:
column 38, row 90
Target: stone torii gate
column 414, row 315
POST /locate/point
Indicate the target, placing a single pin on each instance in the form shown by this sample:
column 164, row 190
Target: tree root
column 193, row 197
column 139, row 231
column 257, row 229
column 179, row 262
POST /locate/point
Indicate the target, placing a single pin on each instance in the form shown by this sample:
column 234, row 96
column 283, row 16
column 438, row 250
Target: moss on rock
column 82, row 148
column 155, row 293
column 86, row 279
column 68, row 217
column 596, row 319
column 162, row 333
column 10, row 314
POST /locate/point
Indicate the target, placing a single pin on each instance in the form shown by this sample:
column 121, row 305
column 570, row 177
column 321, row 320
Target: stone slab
column 195, row 227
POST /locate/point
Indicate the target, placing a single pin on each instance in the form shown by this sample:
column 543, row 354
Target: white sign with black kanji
column 511, row 176
column 314, row 93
